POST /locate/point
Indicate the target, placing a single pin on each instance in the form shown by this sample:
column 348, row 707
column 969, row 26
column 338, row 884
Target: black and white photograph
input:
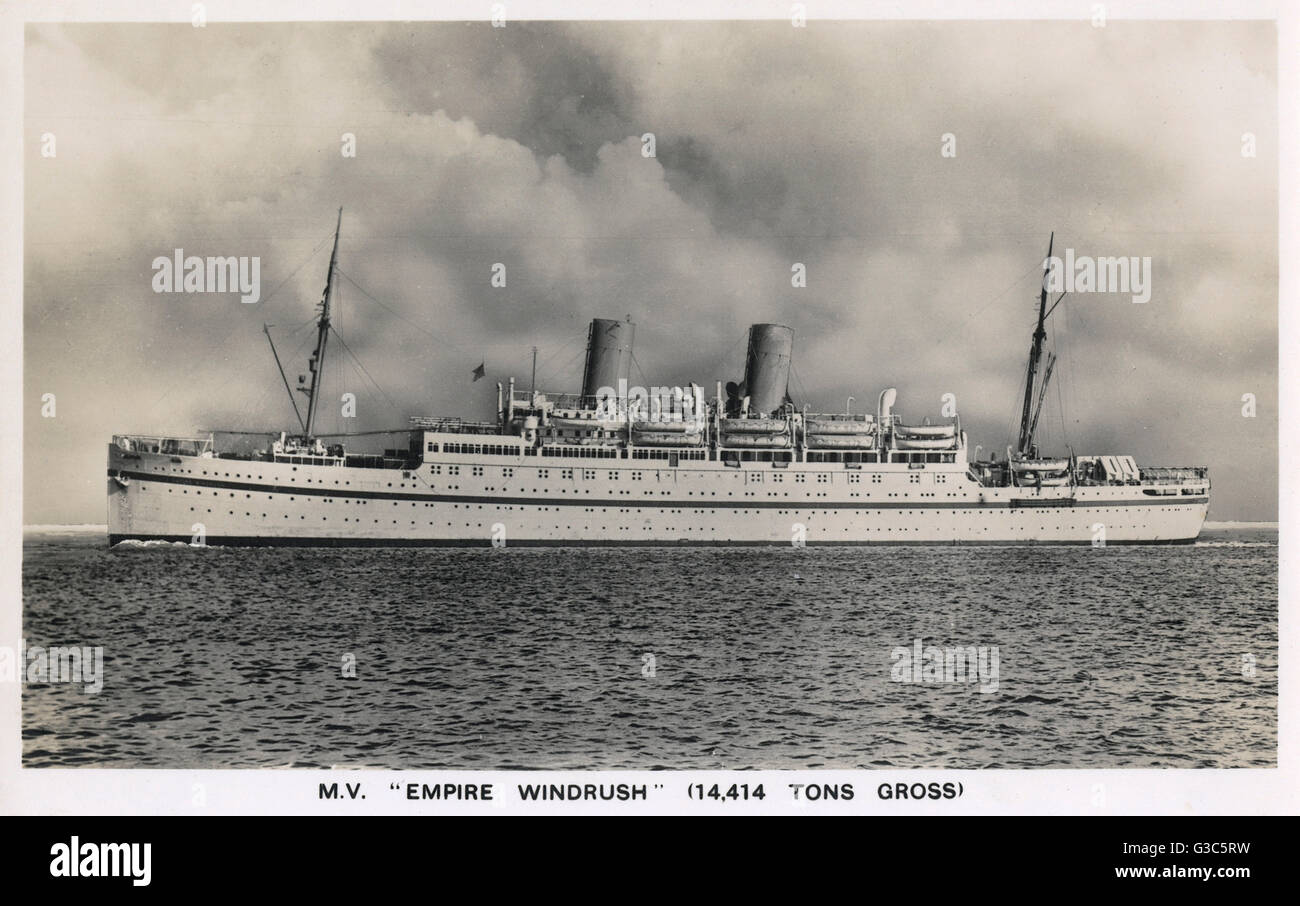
column 551, row 397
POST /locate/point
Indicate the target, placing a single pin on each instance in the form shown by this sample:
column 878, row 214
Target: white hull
column 532, row 500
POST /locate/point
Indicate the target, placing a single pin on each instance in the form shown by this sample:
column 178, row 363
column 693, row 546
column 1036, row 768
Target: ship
column 620, row 465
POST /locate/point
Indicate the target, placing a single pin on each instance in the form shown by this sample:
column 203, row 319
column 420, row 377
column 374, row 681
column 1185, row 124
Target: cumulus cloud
column 522, row 146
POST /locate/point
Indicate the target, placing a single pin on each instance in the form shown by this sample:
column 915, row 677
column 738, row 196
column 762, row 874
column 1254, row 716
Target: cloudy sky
column 774, row 145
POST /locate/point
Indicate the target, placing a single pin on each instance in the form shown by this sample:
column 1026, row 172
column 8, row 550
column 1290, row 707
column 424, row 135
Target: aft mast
column 317, row 362
column 1027, row 420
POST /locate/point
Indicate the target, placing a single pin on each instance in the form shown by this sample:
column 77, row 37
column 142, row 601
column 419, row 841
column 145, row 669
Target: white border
column 1115, row 791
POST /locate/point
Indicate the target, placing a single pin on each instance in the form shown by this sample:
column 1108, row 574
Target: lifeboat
column 667, row 438
column 1040, row 465
column 661, row 427
column 1043, row 479
column 923, row 443
column 754, row 425
column 587, row 424
column 920, row 431
column 840, row 441
column 610, row 442
column 834, row 426
column 755, row 440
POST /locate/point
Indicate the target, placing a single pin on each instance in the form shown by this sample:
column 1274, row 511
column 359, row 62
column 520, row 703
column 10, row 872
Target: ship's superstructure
column 616, row 464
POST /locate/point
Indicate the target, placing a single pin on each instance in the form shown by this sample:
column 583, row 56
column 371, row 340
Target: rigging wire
column 272, row 432
column 1016, row 408
column 1072, row 386
column 1060, row 397
column 336, row 326
column 644, row 383
column 563, row 345
column 744, row 336
column 237, row 323
column 297, row 351
column 1033, row 268
column 397, row 314
column 573, row 359
column 424, row 330
column 366, row 373
column 794, row 373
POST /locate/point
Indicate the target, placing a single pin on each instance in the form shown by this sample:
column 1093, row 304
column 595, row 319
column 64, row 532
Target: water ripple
column 653, row 658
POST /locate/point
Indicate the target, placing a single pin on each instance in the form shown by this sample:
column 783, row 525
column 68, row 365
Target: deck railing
column 454, row 425
column 175, row 446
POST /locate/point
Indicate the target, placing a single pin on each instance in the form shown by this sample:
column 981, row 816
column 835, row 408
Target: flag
column 480, row 371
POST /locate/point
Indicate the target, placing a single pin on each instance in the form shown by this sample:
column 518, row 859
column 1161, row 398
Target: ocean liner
column 615, row 464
